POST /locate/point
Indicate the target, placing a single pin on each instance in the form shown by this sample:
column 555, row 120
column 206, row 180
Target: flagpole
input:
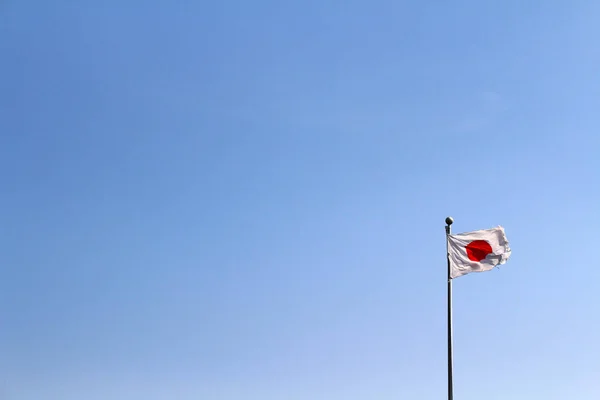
column 449, row 222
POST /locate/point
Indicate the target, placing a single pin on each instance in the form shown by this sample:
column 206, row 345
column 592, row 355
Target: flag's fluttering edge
column 477, row 251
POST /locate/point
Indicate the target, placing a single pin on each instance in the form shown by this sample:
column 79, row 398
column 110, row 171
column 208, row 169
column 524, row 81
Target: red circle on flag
column 478, row 250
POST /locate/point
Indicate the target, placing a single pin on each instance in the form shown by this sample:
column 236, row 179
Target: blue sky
column 245, row 200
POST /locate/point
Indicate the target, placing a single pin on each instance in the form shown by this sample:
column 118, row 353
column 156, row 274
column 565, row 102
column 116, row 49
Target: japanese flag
column 477, row 251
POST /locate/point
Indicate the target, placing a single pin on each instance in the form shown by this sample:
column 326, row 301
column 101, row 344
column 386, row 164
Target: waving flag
column 477, row 251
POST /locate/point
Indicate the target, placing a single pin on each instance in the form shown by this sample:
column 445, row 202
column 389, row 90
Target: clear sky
column 246, row 199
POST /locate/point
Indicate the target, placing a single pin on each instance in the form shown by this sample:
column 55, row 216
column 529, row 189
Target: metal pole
column 449, row 222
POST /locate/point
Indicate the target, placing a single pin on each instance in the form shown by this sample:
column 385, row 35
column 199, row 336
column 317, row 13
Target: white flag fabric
column 477, row 251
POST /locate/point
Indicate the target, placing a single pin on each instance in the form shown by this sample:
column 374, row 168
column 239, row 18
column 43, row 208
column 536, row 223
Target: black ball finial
column 449, row 221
